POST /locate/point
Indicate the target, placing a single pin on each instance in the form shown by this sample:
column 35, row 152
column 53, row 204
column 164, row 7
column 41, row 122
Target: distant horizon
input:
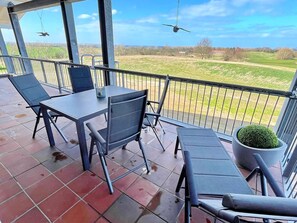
column 98, row 45
column 227, row 23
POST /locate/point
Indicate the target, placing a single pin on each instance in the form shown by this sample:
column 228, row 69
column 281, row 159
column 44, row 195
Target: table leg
column 83, row 144
column 47, row 124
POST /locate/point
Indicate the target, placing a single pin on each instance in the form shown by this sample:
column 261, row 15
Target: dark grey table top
column 84, row 105
column 214, row 172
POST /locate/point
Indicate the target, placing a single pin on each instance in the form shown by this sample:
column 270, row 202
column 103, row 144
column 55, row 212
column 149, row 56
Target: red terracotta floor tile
column 4, row 138
column 124, row 210
column 85, row 183
column 69, row 172
column 142, row 191
column 125, row 182
column 37, row 146
column 166, row 205
column 33, row 175
column 79, row 213
column 166, row 160
column 44, row 188
column 8, row 124
column 102, row 220
column 15, row 207
column 8, row 189
column 13, row 157
column 32, row 216
column 101, row 199
column 55, row 205
column 157, row 175
column 27, row 140
column 111, row 166
column 8, row 147
column 4, row 174
column 25, row 164
column 18, row 131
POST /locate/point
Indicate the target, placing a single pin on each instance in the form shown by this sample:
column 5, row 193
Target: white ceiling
column 4, row 18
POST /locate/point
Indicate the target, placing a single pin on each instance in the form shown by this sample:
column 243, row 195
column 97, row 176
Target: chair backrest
column 163, row 96
column 30, row 89
column 125, row 117
column 81, row 79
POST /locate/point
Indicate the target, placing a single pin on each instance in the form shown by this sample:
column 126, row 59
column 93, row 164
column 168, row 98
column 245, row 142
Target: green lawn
column 270, row 59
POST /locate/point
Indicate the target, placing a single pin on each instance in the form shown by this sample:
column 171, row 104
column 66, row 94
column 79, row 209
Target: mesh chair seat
column 124, row 123
column 33, row 93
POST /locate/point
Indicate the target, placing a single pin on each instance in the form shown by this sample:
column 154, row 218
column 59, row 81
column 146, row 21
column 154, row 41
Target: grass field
column 259, row 69
column 256, row 75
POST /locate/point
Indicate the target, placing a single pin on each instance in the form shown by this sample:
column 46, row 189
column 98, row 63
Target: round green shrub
column 257, row 136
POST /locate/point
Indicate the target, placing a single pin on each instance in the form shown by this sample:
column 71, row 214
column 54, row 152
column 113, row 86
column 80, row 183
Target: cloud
column 84, row 16
column 150, row 19
column 114, row 11
column 91, row 27
column 216, row 8
column 240, row 3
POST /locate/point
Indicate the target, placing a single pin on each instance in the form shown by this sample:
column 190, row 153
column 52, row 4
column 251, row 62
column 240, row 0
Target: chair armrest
column 261, row 204
column 152, row 114
column 59, row 95
column 152, row 102
column 98, row 137
column 32, row 106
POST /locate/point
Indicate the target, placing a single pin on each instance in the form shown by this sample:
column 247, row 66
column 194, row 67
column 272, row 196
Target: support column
column 107, row 44
column 19, row 39
column 69, row 26
column 7, row 60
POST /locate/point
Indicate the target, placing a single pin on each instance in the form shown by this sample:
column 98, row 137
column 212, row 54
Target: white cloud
column 254, row 2
column 91, row 27
column 151, row 20
column 114, row 11
column 84, row 16
column 55, row 10
column 265, row 34
column 212, row 8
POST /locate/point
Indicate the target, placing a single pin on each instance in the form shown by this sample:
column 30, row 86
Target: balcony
column 44, row 184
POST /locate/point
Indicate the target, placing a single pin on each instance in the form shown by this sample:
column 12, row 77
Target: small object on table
column 100, row 92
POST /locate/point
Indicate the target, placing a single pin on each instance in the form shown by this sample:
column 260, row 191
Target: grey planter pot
column 244, row 154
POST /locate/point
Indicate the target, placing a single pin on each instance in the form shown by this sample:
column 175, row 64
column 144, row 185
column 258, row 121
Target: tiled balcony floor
column 36, row 185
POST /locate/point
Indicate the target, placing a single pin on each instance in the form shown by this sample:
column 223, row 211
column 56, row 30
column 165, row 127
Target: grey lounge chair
column 31, row 90
column 239, row 207
column 125, row 117
column 81, row 79
column 152, row 119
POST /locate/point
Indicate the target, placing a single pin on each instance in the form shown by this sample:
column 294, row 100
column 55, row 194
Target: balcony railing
column 222, row 107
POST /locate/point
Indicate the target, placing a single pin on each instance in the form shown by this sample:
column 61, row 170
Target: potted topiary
column 256, row 139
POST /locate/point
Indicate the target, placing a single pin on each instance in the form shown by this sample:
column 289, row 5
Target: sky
column 226, row 23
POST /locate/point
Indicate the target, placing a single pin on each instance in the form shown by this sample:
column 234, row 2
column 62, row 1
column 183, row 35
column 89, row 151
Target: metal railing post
column 57, row 69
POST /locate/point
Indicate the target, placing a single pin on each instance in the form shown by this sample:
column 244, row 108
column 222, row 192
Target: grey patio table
column 79, row 107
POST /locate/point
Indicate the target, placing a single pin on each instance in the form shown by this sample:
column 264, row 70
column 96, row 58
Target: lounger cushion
column 261, row 204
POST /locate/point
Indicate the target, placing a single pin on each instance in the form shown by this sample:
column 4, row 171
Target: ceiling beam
column 36, row 4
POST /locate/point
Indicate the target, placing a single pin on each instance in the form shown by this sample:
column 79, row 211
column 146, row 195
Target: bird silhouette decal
column 176, row 27
column 43, row 33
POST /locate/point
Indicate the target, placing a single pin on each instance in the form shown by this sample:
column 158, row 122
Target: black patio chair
column 124, row 123
column 152, row 119
column 31, row 90
column 81, row 79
